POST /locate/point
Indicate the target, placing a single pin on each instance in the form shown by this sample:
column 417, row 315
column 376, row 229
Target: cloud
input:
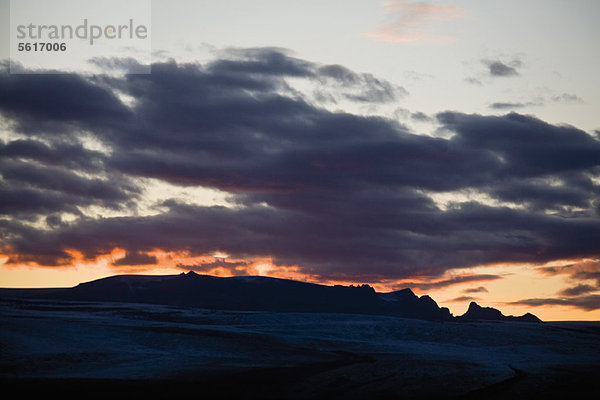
column 505, row 106
column 564, row 98
column 461, row 299
column 497, row 68
column 262, row 61
column 512, row 106
column 584, row 274
column 79, row 158
column 453, row 281
column 479, row 289
column 585, row 270
column 340, row 196
column 578, row 290
column 586, row 303
column 535, row 194
column 412, row 21
column 44, row 178
column 567, row 98
column 527, row 147
column 128, row 64
column 230, row 267
column 58, row 101
column 136, row 259
column 363, row 87
column 421, row 117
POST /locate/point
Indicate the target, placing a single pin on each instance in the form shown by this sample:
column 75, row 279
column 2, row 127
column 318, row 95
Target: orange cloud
column 410, row 22
column 261, row 266
column 451, row 281
column 584, row 274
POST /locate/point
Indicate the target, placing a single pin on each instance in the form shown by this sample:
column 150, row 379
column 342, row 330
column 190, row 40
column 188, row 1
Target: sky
column 452, row 147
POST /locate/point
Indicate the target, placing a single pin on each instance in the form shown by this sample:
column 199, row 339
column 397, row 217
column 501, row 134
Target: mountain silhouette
column 478, row 313
column 257, row 293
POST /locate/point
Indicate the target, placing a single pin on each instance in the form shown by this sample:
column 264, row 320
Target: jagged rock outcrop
column 478, row 313
column 404, row 302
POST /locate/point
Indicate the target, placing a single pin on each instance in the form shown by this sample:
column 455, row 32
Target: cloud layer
column 340, row 195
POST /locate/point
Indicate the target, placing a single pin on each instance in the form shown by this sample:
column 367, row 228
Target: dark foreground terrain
column 116, row 350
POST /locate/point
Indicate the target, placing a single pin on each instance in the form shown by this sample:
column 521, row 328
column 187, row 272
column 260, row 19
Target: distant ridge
column 478, row 313
column 257, row 293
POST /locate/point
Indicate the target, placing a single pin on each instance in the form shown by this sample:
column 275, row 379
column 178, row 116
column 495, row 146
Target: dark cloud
column 63, row 181
column 341, row 195
column 578, row 290
column 586, row 277
column 261, row 63
column 79, row 158
column 454, row 281
column 55, row 221
column 523, row 145
column 566, row 98
column 421, row 116
column 507, row 106
column 364, row 88
column 512, row 106
column 479, row 289
column 53, row 103
column 40, row 179
column 132, row 259
column 500, row 69
column 588, row 270
column 542, row 196
column 463, row 299
column 586, row 303
column 25, row 202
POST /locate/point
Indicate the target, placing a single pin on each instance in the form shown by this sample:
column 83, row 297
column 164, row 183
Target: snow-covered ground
column 347, row 355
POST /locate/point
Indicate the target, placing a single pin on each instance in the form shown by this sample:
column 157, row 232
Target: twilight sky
column 448, row 146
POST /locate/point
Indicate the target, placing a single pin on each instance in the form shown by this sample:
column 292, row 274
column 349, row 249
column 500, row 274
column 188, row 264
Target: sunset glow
column 418, row 144
column 499, row 286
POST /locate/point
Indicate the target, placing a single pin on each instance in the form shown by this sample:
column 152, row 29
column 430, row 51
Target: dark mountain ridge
column 478, row 313
column 257, row 293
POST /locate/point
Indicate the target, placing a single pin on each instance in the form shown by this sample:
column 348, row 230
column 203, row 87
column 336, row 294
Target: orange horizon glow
column 516, row 282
